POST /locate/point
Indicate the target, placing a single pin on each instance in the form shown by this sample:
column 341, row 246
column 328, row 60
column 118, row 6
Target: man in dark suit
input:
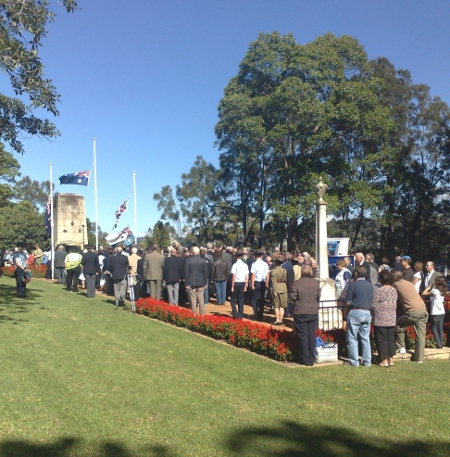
column 228, row 259
column 91, row 268
column 172, row 275
column 359, row 260
column 117, row 265
column 196, row 279
column 430, row 277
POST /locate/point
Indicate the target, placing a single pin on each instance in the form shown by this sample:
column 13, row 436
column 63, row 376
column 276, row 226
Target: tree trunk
column 292, row 234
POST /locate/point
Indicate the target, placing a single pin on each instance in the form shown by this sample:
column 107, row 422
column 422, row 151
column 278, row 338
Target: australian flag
column 81, row 178
column 48, row 218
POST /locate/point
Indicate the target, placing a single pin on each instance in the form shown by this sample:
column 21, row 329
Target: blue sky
column 144, row 77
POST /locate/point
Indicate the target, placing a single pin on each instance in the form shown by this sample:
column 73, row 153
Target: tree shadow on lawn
column 65, row 447
column 285, row 439
column 291, row 439
column 11, row 306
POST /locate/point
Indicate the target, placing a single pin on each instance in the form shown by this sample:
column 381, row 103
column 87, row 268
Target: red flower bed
column 277, row 344
column 36, row 271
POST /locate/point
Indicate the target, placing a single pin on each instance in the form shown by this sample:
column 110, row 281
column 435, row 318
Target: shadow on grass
column 11, row 306
column 291, row 439
column 287, row 439
column 71, row 446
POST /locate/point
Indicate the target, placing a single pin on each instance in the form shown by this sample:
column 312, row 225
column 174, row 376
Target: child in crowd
column 437, row 310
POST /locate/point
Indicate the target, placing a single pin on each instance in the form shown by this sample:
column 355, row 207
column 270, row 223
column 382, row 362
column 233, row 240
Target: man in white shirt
column 239, row 281
column 259, row 281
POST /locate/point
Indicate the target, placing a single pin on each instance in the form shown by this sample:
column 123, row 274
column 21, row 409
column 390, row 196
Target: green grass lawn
column 81, row 379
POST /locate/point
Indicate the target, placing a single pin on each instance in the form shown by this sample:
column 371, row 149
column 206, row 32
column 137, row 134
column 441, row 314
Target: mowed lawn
column 81, row 379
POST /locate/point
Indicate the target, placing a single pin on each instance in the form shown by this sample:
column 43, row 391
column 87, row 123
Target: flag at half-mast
column 48, row 217
column 125, row 236
column 80, row 178
column 122, row 208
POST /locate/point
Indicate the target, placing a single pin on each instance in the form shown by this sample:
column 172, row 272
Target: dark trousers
column 437, row 326
column 306, row 326
column 238, row 297
column 48, row 272
column 385, row 341
column 21, row 286
column 73, row 276
column 90, row 284
column 109, row 285
column 182, row 294
column 258, row 297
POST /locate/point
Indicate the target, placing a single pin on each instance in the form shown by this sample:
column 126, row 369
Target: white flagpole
column 95, row 196
column 51, row 223
column 134, row 206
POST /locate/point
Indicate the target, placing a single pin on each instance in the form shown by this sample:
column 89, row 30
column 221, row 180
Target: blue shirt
column 359, row 294
column 21, row 257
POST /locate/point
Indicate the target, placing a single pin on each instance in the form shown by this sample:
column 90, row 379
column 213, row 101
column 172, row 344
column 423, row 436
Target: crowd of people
column 392, row 298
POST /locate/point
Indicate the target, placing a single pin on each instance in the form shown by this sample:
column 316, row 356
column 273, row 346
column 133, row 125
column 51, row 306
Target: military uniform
column 279, row 277
column 37, row 254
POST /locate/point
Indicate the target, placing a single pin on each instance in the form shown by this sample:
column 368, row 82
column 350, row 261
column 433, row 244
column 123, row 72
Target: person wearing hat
column 91, row 268
column 239, row 281
column 259, row 282
column 37, row 253
column 408, row 273
column 279, row 278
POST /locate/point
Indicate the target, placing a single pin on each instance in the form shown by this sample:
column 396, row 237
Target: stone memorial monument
column 329, row 316
column 69, row 219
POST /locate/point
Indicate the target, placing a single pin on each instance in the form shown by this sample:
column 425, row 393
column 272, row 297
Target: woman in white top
column 437, row 310
column 417, row 279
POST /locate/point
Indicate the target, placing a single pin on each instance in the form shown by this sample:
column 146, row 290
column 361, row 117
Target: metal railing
column 330, row 315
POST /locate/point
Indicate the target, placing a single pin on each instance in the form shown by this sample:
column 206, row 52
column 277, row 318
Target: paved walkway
column 268, row 319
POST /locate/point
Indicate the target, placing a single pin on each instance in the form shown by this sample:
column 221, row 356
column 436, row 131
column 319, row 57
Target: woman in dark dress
column 305, row 294
column 384, row 307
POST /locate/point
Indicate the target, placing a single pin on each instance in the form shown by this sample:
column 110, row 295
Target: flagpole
column 134, row 205
column 51, row 222
column 95, row 195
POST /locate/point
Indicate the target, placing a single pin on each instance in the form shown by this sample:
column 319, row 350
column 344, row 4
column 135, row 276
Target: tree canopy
column 21, row 224
column 9, row 171
column 296, row 112
column 23, row 26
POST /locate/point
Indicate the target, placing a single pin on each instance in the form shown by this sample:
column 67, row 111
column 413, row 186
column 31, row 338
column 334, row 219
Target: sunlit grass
column 80, row 379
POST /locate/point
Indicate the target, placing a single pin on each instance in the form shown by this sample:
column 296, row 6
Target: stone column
column 328, row 318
